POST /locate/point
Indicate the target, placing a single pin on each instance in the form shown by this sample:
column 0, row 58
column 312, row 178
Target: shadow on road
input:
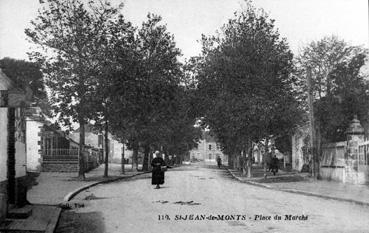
column 72, row 222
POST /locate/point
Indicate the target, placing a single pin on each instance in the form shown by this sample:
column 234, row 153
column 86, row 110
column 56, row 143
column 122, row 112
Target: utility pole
column 314, row 164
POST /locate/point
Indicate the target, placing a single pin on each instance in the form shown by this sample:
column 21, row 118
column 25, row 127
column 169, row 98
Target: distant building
column 117, row 149
column 92, row 137
column 208, row 150
column 96, row 139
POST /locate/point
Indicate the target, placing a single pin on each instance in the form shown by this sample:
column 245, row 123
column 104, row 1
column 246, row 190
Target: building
column 92, row 137
column 96, row 140
column 117, row 149
column 208, row 150
column 34, row 124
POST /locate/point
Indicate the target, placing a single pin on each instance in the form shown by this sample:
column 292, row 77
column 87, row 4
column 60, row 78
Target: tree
column 322, row 57
column 348, row 98
column 148, row 93
column 25, row 73
column 246, row 84
column 67, row 34
column 114, row 58
column 332, row 64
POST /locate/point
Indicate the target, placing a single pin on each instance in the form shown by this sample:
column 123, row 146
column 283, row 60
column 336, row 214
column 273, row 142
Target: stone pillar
column 354, row 135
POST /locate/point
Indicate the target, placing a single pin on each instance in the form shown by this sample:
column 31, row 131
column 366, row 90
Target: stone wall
column 332, row 173
column 60, row 166
column 347, row 161
column 66, row 165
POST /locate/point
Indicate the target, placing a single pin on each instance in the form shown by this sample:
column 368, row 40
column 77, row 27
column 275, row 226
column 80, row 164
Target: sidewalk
column 301, row 183
column 51, row 191
column 53, row 187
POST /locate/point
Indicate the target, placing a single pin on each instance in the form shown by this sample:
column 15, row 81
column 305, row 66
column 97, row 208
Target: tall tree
column 349, row 97
column 334, row 64
column 67, row 34
column 245, row 82
column 114, row 58
column 148, row 93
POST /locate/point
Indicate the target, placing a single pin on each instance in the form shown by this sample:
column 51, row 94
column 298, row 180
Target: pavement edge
column 72, row 194
column 298, row 191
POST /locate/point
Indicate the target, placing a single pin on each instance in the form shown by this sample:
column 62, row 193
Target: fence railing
column 333, row 154
column 63, row 152
column 70, row 154
column 363, row 158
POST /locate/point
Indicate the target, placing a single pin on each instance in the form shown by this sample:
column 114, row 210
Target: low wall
column 66, row 166
column 60, row 166
column 332, row 173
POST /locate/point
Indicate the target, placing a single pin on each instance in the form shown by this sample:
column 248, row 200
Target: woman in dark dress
column 158, row 165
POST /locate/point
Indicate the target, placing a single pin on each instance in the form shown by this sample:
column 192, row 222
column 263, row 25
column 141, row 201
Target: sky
column 300, row 21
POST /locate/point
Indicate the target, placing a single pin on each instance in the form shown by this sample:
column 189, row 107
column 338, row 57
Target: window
column 209, row 146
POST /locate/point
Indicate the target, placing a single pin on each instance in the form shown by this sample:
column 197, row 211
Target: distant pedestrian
column 158, row 167
column 219, row 161
column 274, row 164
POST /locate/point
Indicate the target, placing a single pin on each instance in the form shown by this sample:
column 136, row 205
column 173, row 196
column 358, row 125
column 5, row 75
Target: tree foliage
column 322, row 57
column 149, row 112
column 339, row 87
column 24, row 73
column 68, row 35
column 245, row 81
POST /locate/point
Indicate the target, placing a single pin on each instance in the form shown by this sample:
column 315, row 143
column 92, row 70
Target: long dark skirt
column 157, row 177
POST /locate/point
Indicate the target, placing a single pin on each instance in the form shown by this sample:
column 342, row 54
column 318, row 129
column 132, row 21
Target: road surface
column 205, row 199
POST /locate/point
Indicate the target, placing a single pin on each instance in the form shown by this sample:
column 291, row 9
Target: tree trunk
column 249, row 159
column 265, row 157
column 122, row 162
column 230, row 161
column 81, row 160
column 106, row 150
column 150, row 159
column 315, row 168
column 318, row 144
column 135, row 156
column 244, row 163
column 145, row 165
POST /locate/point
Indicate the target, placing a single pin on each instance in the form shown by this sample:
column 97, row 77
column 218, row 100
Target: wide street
column 205, row 199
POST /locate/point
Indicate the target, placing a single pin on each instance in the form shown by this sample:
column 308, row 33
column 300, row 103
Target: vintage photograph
column 161, row 116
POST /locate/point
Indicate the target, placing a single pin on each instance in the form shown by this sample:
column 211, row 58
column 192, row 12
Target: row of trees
column 100, row 68
column 245, row 86
column 252, row 89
